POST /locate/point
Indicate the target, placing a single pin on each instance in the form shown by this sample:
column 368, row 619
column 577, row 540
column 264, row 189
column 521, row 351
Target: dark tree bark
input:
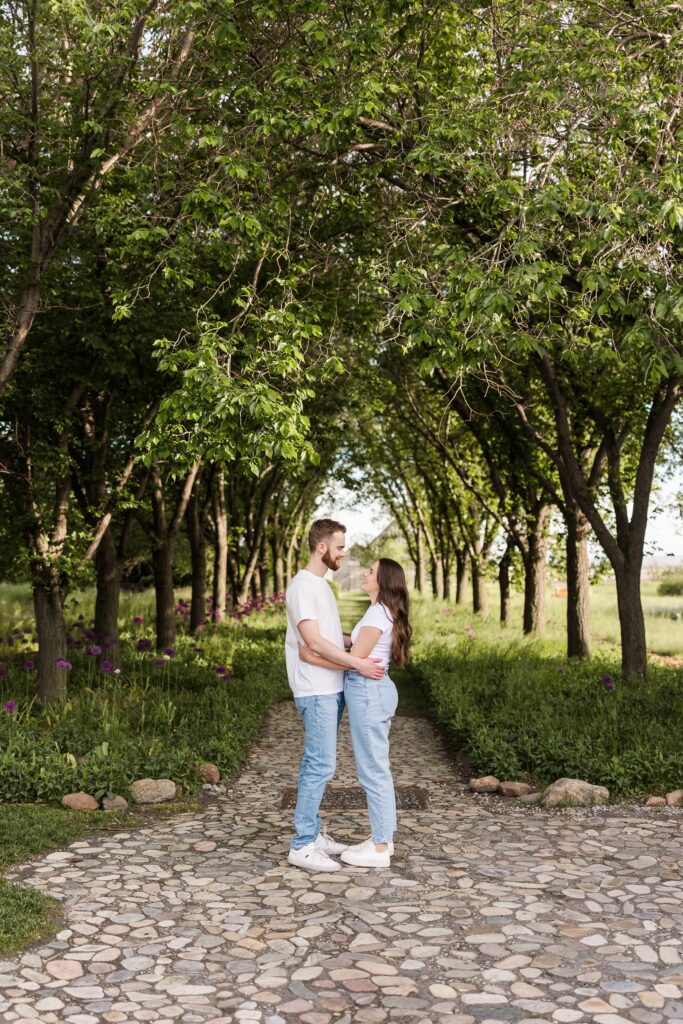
column 48, row 603
column 420, row 566
column 504, row 585
column 535, row 572
column 263, row 566
column 108, row 584
column 578, row 583
column 460, row 575
column 164, row 538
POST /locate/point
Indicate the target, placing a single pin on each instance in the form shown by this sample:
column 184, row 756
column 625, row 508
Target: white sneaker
column 312, row 859
column 327, row 844
column 365, row 855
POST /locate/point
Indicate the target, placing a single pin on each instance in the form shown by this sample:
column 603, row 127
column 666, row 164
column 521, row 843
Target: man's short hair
column 322, row 530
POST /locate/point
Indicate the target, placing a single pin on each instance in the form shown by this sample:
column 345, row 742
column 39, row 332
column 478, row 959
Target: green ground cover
column 522, row 710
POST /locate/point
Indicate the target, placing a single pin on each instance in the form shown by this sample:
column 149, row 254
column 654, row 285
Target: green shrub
column 671, row 585
column 670, row 588
column 521, row 713
column 142, row 723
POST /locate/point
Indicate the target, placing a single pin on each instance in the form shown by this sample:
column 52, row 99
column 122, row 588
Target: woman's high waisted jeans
column 371, row 705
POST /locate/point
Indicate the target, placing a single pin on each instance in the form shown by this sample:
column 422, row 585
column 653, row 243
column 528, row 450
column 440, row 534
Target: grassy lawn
column 663, row 617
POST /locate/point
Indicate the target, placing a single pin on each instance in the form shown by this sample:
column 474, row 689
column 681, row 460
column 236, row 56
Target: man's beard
column 330, row 562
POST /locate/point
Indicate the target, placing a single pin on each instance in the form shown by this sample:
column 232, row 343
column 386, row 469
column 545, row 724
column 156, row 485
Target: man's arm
column 370, row 667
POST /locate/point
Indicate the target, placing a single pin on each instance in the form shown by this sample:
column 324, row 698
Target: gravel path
column 488, row 913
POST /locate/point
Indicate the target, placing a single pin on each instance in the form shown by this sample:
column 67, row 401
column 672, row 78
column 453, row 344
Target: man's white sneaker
column 364, row 855
column 328, row 845
column 312, row 859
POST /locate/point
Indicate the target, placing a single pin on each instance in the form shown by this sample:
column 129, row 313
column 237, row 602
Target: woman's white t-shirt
column 380, row 618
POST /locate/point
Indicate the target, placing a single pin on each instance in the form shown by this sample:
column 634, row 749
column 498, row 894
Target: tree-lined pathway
column 486, row 914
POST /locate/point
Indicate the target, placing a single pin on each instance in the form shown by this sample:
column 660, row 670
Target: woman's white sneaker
column 312, row 859
column 365, row 855
column 328, row 845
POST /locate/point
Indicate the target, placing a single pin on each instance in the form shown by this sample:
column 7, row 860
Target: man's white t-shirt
column 311, row 597
column 380, row 618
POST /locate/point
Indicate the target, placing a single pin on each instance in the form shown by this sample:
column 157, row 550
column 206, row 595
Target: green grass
column 521, row 710
column 663, row 617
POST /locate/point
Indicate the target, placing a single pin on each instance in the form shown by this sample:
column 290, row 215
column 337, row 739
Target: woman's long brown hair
column 393, row 594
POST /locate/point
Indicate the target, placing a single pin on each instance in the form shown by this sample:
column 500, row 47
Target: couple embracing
column 328, row 671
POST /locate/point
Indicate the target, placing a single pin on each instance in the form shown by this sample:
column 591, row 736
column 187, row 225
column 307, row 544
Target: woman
column 383, row 634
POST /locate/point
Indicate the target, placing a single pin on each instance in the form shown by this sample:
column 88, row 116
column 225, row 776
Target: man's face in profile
column 336, row 551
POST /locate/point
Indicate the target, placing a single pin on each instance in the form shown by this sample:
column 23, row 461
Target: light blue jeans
column 372, row 704
column 321, row 717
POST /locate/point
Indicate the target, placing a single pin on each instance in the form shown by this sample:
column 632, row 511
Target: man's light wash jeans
column 372, row 704
column 321, row 717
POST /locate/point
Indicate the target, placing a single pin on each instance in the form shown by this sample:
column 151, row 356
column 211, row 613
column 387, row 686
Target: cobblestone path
column 487, row 914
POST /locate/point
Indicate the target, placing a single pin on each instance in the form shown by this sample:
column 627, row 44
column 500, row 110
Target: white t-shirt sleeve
column 304, row 604
column 376, row 616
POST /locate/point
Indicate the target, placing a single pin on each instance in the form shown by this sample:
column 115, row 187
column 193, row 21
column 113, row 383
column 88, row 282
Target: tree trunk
column 446, row 577
column 48, row 603
column 460, row 577
column 420, row 564
column 108, row 577
column 263, row 568
column 197, row 538
column 163, row 546
column 437, row 578
column 480, row 598
column 220, row 551
column 578, row 584
column 504, row 586
column 535, row 575
column 632, row 622
column 162, row 562
column 278, row 564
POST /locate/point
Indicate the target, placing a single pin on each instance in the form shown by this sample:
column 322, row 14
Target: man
column 313, row 620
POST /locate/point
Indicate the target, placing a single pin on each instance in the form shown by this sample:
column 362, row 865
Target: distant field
column 663, row 615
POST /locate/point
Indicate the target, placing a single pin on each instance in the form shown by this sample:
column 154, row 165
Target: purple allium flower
column 608, row 682
column 169, row 652
column 10, row 706
column 561, row 668
column 107, row 668
column 64, row 664
column 3, row 671
column 221, row 670
column 137, row 619
column 144, row 644
column 29, row 665
column 159, row 662
column 93, row 651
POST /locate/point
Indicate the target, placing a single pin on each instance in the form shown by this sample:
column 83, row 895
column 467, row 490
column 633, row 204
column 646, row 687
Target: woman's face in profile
column 369, row 582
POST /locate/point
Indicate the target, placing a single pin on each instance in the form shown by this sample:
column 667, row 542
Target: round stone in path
column 487, row 913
